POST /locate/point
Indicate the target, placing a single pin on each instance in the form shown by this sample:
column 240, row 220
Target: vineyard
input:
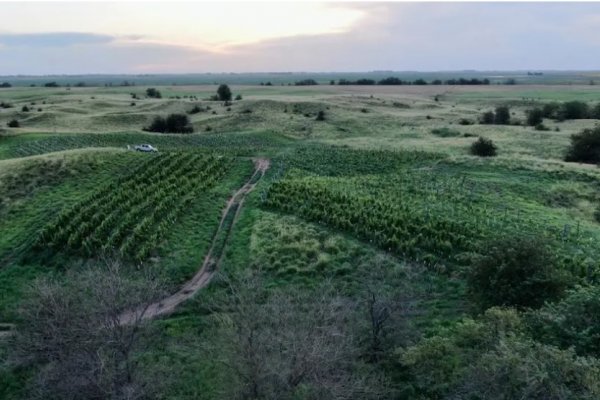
column 236, row 144
column 424, row 214
column 131, row 215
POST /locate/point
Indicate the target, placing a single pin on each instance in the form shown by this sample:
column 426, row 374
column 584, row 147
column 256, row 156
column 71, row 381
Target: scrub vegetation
column 340, row 237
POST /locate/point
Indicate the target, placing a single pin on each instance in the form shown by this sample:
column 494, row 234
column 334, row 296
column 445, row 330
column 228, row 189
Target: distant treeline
column 397, row 81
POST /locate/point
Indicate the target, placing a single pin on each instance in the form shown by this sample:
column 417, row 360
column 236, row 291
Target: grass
column 407, row 151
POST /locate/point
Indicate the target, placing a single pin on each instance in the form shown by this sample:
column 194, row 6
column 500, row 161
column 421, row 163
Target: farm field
column 354, row 220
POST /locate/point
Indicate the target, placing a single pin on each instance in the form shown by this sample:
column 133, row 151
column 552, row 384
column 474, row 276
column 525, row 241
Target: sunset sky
column 161, row 37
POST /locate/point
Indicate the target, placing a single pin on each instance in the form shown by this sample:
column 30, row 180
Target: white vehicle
column 145, row 148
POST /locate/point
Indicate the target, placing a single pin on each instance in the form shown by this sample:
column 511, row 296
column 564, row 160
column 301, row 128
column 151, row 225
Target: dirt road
column 211, row 261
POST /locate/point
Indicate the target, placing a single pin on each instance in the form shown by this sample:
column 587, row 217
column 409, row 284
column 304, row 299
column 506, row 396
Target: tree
column 71, row 331
column 573, row 110
column 224, row 93
column 288, row 344
column 153, row 93
column 585, row 146
column 535, row 116
column 5, row 85
column 518, row 272
column 483, row 147
column 173, row 123
column 574, row 321
column 487, row 118
column 502, row 116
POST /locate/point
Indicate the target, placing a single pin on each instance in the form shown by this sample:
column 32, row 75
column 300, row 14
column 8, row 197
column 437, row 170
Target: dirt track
column 211, row 261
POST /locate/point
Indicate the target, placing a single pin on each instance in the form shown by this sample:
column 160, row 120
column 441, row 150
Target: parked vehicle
column 145, row 148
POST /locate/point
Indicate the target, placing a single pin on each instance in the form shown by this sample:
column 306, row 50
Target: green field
column 379, row 203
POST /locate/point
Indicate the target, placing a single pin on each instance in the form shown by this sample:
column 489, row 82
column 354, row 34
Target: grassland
column 383, row 189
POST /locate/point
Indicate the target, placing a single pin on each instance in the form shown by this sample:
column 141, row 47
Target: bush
column 535, row 117
column 502, row 116
column 464, row 121
column 153, row 93
column 5, row 85
column 550, row 110
column 224, row 93
column 195, row 110
column 51, row 84
column 483, row 147
column 541, row 127
column 321, row 116
column 572, row 322
column 174, row 123
column 25, row 109
column 238, row 97
column 518, row 271
column 585, row 146
column 13, row 123
column 488, row 118
column 573, row 110
column 445, row 132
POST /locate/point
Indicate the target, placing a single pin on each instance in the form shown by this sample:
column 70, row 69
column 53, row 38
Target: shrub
column 174, row 123
column 541, row 127
column 483, row 147
column 4, row 104
column 321, row 116
column 25, row 109
column 238, row 97
column 153, row 93
column 464, row 121
column 224, row 93
column 195, row 110
column 5, row 85
column 597, row 214
column 13, row 123
column 518, row 271
column 574, row 321
column 132, row 104
column 550, row 110
column 488, row 118
column 535, row 116
column 573, row 110
column 595, row 112
column 51, row 84
column 445, row 132
column 585, row 146
column 502, row 116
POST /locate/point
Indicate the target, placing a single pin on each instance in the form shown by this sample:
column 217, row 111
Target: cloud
column 52, row 39
column 388, row 36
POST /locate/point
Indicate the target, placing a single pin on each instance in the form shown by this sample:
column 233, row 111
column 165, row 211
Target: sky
column 145, row 37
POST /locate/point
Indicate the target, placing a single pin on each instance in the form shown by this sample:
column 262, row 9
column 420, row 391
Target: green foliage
column 486, row 118
column 224, row 93
column 535, row 116
column 445, row 132
column 13, row 123
column 585, row 147
column 239, row 144
column 130, row 216
column 493, row 358
column 483, row 147
column 321, row 116
column 502, row 116
column 519, row 272
column 174, row 123
column 574, row 321
column 153, row 93
column 573, row 110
